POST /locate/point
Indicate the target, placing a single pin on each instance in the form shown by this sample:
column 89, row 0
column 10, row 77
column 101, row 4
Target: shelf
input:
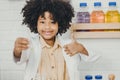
column 96, row 30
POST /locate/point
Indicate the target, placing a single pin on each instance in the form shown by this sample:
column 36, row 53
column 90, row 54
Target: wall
column 108, row 48
column 90, row 4
column 11, row 28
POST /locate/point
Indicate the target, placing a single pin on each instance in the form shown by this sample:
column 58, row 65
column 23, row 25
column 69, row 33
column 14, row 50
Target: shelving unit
column 96, row 30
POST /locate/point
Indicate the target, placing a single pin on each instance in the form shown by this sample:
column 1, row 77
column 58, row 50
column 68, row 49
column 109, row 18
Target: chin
column 48, row 37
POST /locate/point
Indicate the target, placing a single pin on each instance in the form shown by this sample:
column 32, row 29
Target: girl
column 49, row 57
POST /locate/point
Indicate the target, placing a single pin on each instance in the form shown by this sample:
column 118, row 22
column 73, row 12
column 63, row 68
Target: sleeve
column 93, row 55
column 24, row 57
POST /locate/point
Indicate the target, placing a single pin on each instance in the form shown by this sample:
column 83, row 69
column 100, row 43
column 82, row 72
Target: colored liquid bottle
column 98, row 77
column 119, row 17
column 83, row 15
column 112, row 15
column 88, row 77
column 97, row 15
column 111, row 77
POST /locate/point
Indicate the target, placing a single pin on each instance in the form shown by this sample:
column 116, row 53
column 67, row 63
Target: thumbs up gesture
column 74, row 47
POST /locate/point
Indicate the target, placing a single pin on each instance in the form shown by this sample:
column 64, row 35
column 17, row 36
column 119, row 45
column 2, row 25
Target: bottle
column 112, row 15
column 97, row 15
column 119, row 17
column 98, row 77
column 88, row 77
column 83, row 15
column 111, row 77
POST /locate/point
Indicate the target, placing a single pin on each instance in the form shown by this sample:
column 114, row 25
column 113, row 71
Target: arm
column 20, row 50
column 93, row 54
column 75, row 47
column 86, row 53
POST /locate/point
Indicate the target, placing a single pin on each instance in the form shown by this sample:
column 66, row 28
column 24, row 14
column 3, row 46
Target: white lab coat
column 32, row 58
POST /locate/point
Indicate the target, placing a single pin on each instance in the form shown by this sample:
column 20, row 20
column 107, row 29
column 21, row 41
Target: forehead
column 46, row 15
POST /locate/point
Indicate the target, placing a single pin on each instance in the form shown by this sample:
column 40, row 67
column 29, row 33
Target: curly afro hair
column 61, row 11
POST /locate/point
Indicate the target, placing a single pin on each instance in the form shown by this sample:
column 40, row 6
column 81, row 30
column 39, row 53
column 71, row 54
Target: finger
column 71, row 55
column 73, row 37
column 67, row 51
column 65, row 46
column 22, row 47
column 23, row 41
column 22, row 38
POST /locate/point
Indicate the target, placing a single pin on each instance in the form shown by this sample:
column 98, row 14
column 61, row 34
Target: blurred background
column 11, row 28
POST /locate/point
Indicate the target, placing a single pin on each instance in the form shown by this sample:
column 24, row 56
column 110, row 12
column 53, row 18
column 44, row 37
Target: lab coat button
column 53, row 67
column 54, row 79
column 52, row 54
column 48, row 79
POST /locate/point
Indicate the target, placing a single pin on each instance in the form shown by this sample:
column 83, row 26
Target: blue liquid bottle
column 98, row 77
column 83, row 15
column 88, row 77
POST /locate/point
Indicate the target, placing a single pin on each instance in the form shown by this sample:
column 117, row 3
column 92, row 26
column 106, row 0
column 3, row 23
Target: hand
column 20, row 44
column 74, row 47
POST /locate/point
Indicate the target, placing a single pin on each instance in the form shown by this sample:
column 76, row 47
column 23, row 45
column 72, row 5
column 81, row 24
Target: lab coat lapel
column 71, row 62
column 36, row 55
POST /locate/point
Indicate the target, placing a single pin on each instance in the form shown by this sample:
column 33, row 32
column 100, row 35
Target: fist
column 73, row 48
column 20, row 44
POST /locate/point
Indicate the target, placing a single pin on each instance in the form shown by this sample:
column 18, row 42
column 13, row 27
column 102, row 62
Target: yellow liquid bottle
column 119, row 17
column 112, row 15
column 97, row 15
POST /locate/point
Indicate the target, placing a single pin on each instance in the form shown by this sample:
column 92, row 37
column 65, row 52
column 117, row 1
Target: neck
column 50, row 41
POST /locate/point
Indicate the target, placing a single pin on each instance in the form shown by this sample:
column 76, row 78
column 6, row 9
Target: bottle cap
column 98, row 76
column 88, row 77
column 97, row 4
column 112, row 3
column 83, row 4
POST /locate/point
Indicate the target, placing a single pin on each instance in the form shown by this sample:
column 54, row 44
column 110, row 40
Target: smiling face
column 47, row 27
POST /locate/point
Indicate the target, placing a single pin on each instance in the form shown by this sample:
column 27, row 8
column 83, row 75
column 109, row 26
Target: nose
column 47, row 25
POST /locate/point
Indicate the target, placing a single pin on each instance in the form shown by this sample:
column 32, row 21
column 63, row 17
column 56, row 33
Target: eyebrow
column 41, row 18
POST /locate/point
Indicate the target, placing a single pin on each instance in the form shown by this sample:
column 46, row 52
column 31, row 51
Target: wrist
column 17, row 54
column 85, row 52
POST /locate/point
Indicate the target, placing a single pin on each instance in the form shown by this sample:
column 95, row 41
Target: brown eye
column 42, row 22
column 53, row 22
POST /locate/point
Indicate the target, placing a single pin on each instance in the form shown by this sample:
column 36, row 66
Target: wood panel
column 96, row 30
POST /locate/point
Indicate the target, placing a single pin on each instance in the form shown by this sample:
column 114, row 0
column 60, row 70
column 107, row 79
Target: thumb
column 73, row 37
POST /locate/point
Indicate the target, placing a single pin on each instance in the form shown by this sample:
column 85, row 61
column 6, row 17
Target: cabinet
column 96, row 30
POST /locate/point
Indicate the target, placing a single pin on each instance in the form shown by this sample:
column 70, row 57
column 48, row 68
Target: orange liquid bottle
column 97, row 15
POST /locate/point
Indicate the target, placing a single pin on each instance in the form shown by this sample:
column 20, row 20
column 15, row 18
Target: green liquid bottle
column 112, row 15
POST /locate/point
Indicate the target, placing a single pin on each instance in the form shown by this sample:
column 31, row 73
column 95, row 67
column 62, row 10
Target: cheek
column 39, row 29
column 56, row 29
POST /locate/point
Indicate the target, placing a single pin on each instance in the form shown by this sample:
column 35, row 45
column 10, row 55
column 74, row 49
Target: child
column 47, row 55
